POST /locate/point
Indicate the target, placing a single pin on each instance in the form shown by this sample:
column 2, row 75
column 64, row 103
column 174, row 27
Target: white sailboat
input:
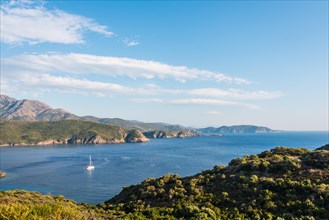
column 90, row 166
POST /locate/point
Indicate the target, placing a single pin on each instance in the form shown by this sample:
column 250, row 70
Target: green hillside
column 62, row 132
column 325, row 147
column 282, row 183
column 278, row 184
column 24, row 205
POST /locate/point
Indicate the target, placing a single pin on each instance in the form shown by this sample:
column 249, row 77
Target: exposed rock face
column 135, row 136
column 95, row 139
column 189, row 133
column 158, row 134
column 51, row 142
column 173, row 134
column 2, row 174
column 30, row 110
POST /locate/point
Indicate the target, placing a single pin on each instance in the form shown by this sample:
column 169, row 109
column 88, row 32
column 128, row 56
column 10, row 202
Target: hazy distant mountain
column 32, row 110
column 235, row 129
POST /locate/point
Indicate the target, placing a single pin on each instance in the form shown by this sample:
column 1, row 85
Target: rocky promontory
column 171, row 134
column 135, row 136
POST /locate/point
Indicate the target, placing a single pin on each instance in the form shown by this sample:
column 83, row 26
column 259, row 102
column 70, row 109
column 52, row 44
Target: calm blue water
column 59, row 170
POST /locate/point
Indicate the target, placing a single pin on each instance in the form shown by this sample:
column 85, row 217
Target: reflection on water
column 90, row 173
column 61, row 169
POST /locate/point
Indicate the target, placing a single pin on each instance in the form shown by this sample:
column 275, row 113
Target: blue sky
column 195, row 63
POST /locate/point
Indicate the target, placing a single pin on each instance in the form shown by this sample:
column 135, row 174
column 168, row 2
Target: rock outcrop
column 135, row 136
column 2, row 174
column 158, row 134
column 172, row 134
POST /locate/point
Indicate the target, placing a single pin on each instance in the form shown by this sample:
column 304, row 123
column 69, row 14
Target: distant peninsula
column 236, row 129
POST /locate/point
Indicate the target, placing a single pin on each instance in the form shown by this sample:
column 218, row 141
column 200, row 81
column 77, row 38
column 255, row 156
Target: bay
column 59, row 169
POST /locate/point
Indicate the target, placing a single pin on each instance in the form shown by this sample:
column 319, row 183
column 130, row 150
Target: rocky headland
column 16, row 133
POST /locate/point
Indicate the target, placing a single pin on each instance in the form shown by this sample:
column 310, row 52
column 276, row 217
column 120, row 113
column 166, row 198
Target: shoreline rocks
column 3, row 174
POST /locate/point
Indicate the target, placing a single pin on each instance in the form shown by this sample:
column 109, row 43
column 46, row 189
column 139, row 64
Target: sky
column 194, row 63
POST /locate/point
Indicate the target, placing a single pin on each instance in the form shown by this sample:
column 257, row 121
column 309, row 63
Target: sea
column 60, row 169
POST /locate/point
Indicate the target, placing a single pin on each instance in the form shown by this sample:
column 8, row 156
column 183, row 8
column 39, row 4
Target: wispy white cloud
column 42, row 80
column 213, row 112
column 75, row 73
column 74, row 63
column 30, row 22
column 212, row 102
column 237, row 93
column 71, row 73
column 130, row 43
column 206, row 102
column 47, row 83
column 147, row 100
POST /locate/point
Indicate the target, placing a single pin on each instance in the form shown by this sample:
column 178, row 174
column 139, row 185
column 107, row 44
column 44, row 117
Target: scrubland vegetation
column 282, row 183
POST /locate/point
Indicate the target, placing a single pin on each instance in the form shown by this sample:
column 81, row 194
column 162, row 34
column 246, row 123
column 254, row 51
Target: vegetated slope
column 141, row 126
column 325, row 147
column 235, row 129
column 24, row 205
column 64, row 132
column 282, row 183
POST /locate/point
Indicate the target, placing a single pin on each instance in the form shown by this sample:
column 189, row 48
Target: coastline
column 43, row 143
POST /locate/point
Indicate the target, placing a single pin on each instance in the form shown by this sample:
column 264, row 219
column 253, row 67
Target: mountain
column 282, row 183
column 65, row 132
column 32, row 110
column 235, row 129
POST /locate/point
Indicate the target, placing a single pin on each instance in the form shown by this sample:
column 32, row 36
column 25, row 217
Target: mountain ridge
column 33, row 110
